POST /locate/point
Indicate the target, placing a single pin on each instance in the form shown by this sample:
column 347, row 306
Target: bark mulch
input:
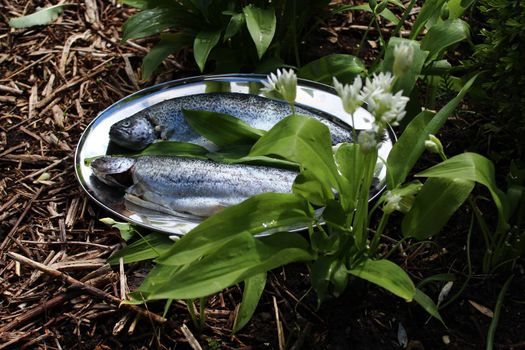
column 56, row 289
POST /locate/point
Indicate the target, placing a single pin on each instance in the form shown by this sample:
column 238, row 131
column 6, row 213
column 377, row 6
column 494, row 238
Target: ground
column 53, row 81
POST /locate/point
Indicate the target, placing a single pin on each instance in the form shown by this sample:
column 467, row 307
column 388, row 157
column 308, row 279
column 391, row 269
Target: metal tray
column 317, row 98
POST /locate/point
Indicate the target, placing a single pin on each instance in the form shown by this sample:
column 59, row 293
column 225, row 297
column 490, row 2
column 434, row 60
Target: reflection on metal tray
column 315, row 98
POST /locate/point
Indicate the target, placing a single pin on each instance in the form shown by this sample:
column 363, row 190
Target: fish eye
column 125, row 123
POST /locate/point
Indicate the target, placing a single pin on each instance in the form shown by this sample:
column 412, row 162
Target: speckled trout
column 177, row 185
column 165, row 120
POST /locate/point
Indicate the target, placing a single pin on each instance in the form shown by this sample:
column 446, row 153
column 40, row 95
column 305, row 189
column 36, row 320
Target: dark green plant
column 501, row 54
column 501, row 57
column 236, row 35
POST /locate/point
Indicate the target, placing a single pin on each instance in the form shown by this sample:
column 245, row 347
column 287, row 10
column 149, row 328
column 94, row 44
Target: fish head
column 135, row 132
column 113, row 171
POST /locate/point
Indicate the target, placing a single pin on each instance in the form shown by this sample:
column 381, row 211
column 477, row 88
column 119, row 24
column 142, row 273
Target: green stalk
column 361, row 218
column 497, row 313
column 294, row 34
column 365, row 35
column 379, row 232
column 469, row 266
column 202, row 314
column 190, row 306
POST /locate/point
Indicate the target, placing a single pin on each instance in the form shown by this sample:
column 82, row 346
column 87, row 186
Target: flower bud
column 403, row 58
column 108, row 221
column 433, row 145
column 367, row 140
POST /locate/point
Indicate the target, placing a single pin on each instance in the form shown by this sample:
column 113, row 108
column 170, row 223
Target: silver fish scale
column 261, row 113
column 199, row 186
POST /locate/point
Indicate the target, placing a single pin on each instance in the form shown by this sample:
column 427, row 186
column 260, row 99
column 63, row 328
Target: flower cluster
column 386, row 107
column 284, row 83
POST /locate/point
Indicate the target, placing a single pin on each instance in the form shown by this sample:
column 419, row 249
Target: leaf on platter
column 222, row 129
column 267, row 212
column 147, row 247
column 307, row 142
column 344, row 67
column 175, row 148
column 41, row 17
column 261, row 25
column 225, row 265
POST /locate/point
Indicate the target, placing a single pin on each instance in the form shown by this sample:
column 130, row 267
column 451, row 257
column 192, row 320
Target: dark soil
column 44, row 109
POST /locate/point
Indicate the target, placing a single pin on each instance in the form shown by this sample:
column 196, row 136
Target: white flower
column 403, row 58
column 387, row 107
column 285, row 83
column 393, row 202
column 367, row 140
column 379, row 82
column 350, row 94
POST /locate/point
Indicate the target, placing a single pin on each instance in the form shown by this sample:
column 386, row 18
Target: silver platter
column 317, row 98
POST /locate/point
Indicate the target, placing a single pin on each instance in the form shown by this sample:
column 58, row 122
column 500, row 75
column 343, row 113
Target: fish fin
column 137, row 201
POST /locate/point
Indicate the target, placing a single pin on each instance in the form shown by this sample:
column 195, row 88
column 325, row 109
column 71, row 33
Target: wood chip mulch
column 56, row 290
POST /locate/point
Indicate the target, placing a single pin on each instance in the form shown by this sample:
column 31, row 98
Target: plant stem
column 497, row 313
column 202, row 313
column 365, row 35
column 469, row 266
column 190, row 306
column 379, row 232
column 294, row 33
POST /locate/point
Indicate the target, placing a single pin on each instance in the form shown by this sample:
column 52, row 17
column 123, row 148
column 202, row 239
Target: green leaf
column 437, row 201
column 386, row 13
column 267, row 212
column 234, row 26
column 222, row 129
column 473, row 167
column 127, row 230
column 426, row 303
column 344, row 67
column 139, row 4
column 443, row 35
column 261, row 24
column 305, row 141
column 175, row 148
column 407, row 81
column 308, row 186
column 148, row 247
column 227, row 264
column 457, row 7
column 411, row 144
column 147, row 22
column 350, row 161
column 169, row 43
column 204, row 42
column 446, row 277
column 328, row 271
column 253, row 289
column 430, row 9
column 387, row 275
column 42, row 17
